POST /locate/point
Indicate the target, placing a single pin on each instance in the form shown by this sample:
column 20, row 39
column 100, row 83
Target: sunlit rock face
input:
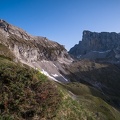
column 98, row 46
column 28, row 47
column 33, row 50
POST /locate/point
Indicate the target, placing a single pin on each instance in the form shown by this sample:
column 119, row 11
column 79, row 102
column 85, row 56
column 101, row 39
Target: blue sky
column 62, row 21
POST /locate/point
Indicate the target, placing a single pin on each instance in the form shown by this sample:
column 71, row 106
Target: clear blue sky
column 62, row 21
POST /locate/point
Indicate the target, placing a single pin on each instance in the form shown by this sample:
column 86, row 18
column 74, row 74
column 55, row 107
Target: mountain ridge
column 98, row 45
column 69, row 89
column 33, row 50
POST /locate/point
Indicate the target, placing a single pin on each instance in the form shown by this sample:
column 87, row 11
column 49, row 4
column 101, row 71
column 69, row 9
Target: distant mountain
column 26, row 94
column 70, row 89
column 100, row 46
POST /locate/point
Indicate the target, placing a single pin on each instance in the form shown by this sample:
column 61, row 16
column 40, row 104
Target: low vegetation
column 26, row 94
column 6, row 53
column 90, row 104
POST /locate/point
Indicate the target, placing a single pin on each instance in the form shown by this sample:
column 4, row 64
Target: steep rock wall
column 28, row 47
column 100, row 43
column 38, row 52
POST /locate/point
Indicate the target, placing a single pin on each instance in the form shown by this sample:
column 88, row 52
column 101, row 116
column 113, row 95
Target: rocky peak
column 4, row 25
column 94, row 43
column 36, row 51
column 9, row 29
column 23, row 44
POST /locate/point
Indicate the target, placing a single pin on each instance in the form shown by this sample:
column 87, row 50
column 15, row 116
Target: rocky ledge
column 94, row 45
column 35, row 51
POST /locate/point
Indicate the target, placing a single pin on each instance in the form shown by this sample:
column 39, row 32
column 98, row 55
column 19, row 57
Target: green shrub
column 26, row 93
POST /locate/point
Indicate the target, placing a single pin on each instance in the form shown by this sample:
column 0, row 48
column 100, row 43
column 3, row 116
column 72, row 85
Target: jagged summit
column 96, row 45
column 37, row 52
column 27, row 94
column 10, row 29
column 103, row 32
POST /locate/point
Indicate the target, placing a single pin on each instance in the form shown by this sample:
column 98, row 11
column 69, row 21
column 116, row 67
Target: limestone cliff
column 98, row 46
column 28, row 47
column 33, row 50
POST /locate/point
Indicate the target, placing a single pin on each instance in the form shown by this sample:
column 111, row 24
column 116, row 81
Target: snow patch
column 78, row 56
column 44, row 72
column 47, row 74
column 54, row 65
column 64, row 78
column 54, row 75
column 102, row 51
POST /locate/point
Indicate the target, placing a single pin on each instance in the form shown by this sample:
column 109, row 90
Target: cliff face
column 28, row 94
column 97, row 46
column 35, row 51
column 28, row 47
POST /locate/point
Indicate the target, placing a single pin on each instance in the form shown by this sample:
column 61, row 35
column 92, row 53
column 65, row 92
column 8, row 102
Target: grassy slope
column 27, row 94
column 5, row 52
column 107, row 75
column 91, row 103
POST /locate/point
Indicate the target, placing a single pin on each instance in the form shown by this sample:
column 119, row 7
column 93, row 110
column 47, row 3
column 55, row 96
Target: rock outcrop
column 104, row 45
column 28, row 47
column 33, row 50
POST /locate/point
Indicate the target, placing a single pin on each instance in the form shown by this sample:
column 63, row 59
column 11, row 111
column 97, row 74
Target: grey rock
column 97, row 45
column 36, row 51
column 28, row 47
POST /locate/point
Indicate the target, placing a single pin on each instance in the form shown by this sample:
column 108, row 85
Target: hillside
column 28, row 94
column 40, row 81
column 35, row 51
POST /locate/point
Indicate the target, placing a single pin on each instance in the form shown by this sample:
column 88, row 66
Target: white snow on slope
column 46, row 73
column 54, row 65
column 102, row 51
column 64, row 78
column 78, row 56
column 54, row 75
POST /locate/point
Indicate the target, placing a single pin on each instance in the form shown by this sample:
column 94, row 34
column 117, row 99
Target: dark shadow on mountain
column 61, row 79
column 102, row 76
